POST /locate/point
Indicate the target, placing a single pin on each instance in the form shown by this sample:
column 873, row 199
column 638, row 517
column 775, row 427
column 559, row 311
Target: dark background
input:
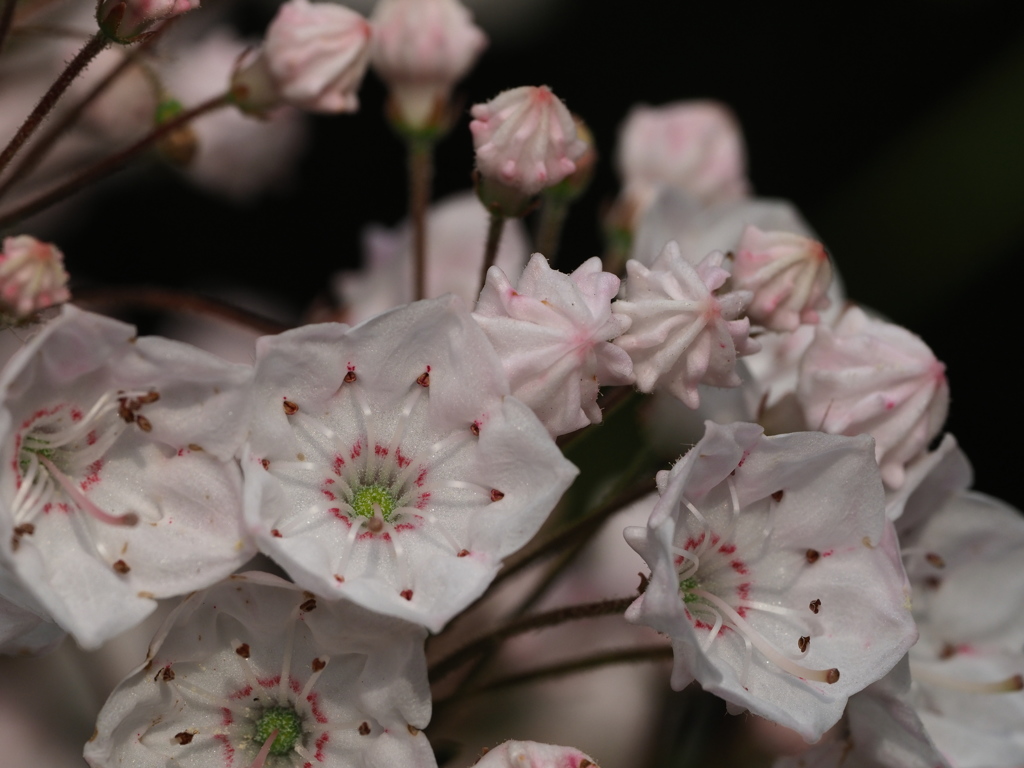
column 895, row 127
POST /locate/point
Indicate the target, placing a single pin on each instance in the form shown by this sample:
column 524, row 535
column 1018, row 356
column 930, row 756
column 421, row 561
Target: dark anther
column 496, row 495
column 423, row 380
column 266, row 464
column 475, row 429
column 935, row 560
column 815, row 605
column 777, row 496
column 183, row 738
column 309, row 605
column 813, row 555
column 364, row 729
column 167, row 674
column 463, row 553
column 275, row 533
column 121, row 566
column 143, row 423
column 318, row 664
column 349, row 377
column 804, row 642
column 406, row 593
column 243, row 650
column 833, row 676
column 290, row 408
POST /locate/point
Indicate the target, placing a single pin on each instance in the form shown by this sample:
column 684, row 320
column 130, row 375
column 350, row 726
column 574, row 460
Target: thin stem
column 38, row 151
column 494, row 230
column 162, row 299
column 553, row 212
column 110, row 164
column 585, row 526
column 89, row 52
column 421, row 174
column 6, row 19
column 586, row 663
column 519, row 626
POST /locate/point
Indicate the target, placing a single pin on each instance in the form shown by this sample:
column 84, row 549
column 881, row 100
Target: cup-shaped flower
column 124, row 21
column 456, row 226
column 388, row 465
column 119, row 483
column 693, row 146
column 682, row 334
column 967, row 572
column 552, row 333
column 531, row 754
column 254, row 656
column 32, row 276
column 788, row 274
column 775, row 573
column 314, row 57
column 421, row 48
column 864, row 375
column 526, row 139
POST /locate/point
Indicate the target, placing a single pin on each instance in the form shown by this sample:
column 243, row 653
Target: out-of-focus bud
column 526, row 141
column 124, row 21
column 693, row 146
column 530, row 754
column 179, row 146
column 788, row 274
column 32, row 277
column 314, row 57
column 421, row 48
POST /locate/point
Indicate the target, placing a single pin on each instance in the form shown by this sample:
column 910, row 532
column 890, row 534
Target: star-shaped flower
column 388, row 464
column 256, row 672
column 776, row 573
column 552, row 333
column 119, row 484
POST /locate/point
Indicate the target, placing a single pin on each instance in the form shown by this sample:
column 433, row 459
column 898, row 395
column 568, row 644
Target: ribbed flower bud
column 421, row 49
column 525, row 140
column 32, row 276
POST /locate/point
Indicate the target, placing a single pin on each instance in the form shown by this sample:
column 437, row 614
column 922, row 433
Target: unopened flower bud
column 32, row 276
column 525, row 140
column 124, row 21
column 314, row 55
column 531, row 754
column 693, row 146
column 421, row 49
column 788, row 274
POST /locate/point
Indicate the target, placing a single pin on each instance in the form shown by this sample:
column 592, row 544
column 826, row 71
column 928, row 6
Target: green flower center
column 365, row 498
column 286, row 721
column 685, row 586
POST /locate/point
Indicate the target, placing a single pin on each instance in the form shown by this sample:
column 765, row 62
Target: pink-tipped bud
column 123, row 21
column 32, row 276
column 421, row 48
column 693, row 146
column 525, row 139
column 531, row 754
column 314, row 56
column 788, row 274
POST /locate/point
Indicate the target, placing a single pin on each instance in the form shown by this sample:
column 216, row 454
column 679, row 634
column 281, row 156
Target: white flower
column 456, row 231
column 530, row 754
column 788, row 274
column 254, row 655
column 682, row 334
column 692, row 146
column 117, row 489
column 552, row 333
column 879, row 730
column 967, row 570
column 775, row 573
column 525, row 138
column 388, row 464
column 869, row 376
column 421, row 48
column 32, row 276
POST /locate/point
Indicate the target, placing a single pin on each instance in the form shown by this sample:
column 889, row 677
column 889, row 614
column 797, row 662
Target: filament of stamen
column 403, row 417
column 261, row 756
column 705, row 528
column 83, row 502
column 764, row 646
column 713, row 633
column 432, row 519
column 286, row 660
column 313, row 678
column 1009, row 685
column 403, row 573
column 692, row 560
column 247, row 672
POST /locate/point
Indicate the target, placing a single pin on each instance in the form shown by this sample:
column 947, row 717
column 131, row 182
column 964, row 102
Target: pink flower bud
column 421, row 49
column 316, row 55
column 32, row 276
column 530, row 754
column 693, row 146
column 526, row 139
column 125, row 20
column 788, row 274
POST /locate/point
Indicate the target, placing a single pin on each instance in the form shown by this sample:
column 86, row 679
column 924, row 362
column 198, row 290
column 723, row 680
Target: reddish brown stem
column 74, row 68
column 420, row 180
column 165, row 299
column 110, row 164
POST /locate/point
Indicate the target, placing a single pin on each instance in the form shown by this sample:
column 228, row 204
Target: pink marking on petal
column 320, row 743
column 314, row 707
